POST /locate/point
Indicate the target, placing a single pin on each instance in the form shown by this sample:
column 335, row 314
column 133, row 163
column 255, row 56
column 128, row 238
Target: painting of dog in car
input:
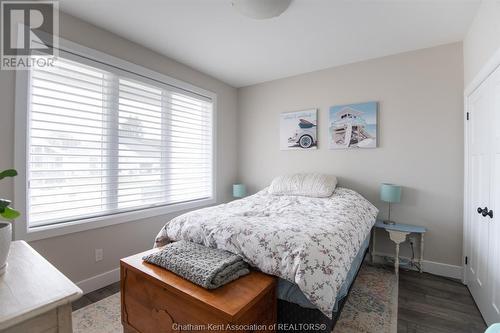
column 298, row 130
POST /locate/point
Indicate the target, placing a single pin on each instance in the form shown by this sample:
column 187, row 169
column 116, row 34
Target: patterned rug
column 103, row 316
column 371, row 307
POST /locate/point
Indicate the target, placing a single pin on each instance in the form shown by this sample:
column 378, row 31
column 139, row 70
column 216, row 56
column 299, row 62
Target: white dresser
column 34, row 295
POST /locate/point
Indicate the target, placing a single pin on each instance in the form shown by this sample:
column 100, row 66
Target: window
column 102, row 141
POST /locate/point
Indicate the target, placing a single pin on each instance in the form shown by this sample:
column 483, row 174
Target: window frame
column 21, row 149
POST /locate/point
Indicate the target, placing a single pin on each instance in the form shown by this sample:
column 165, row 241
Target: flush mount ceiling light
column 261, row 9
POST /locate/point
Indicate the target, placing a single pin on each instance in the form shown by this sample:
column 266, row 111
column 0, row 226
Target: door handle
column 485, row 212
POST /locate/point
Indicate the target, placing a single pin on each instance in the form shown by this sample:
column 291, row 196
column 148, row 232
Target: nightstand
column 34, row 295
column 397, row 234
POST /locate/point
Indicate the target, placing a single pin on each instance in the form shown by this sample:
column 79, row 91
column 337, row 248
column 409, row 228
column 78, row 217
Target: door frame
column 488, row 69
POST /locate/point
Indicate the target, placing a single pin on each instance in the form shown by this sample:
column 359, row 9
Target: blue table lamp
column 392, row 194
column 239, row 190
column 495, row 328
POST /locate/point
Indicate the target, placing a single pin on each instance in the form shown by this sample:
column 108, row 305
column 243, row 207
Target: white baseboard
column 436, row 268
column 99, row 281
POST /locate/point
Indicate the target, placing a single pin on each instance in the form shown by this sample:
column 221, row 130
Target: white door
column 492, row 311
column 483, row 232
column 479, row 187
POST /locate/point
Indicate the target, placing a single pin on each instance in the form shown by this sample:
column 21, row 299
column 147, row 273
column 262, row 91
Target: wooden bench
column 156, row 300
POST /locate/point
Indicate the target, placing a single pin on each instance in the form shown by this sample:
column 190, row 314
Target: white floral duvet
column 308, row 241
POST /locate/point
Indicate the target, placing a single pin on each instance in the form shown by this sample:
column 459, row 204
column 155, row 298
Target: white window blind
column 102, row 143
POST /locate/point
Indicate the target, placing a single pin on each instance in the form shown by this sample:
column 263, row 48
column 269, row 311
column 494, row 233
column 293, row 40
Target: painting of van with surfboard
column 298, row 130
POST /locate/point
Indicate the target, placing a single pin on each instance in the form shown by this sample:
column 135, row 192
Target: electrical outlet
column 98, row 255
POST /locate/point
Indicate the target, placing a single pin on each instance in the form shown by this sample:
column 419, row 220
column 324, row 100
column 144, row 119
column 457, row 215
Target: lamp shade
column 261, row 9
column 390, row 193
column 239, row 190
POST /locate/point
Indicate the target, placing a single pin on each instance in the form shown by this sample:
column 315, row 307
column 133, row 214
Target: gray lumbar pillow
column 305, row 184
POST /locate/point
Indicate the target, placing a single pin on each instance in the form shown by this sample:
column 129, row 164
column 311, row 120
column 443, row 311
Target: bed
column 315, row 245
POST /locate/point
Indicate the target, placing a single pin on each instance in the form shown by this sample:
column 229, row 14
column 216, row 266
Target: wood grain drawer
column 150, row 308
column 46, row 323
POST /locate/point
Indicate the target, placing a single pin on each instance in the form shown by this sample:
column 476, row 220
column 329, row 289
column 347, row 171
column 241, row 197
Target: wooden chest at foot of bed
column 156, row 300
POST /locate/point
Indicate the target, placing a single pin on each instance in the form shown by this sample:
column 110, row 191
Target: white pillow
column 304, row 184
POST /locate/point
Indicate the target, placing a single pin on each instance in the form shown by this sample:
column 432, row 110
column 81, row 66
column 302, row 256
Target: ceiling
column 211, row 36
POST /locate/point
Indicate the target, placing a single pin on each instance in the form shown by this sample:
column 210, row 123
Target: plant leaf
column 8, row 173
column 4, row 203
column 10, row 214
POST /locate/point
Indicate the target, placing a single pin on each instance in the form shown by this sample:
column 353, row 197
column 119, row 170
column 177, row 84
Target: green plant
column 5, row 211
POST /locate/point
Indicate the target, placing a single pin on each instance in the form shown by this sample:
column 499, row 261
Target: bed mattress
column 290, row 292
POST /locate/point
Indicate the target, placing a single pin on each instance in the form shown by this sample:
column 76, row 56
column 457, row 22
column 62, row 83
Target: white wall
column 482, row 39
column 73, row 254
column 420, row 132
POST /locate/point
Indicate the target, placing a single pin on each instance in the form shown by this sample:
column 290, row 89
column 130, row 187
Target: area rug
column 372, row 305
column 103, row 316
column 370, row 308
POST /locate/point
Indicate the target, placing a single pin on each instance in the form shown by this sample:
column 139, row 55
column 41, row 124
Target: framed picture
column 353, row 126
column 298, row 130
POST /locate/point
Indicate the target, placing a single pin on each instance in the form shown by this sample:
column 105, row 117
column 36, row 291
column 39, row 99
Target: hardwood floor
column 427, row 304
column 433, row 304
column 96, row 295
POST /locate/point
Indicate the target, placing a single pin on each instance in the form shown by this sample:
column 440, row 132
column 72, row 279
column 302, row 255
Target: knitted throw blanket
column 204, row 266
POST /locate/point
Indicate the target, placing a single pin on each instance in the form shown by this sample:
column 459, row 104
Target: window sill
column 36, row 233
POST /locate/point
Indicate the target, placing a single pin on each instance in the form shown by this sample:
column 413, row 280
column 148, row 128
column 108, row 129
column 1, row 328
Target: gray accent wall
column 420, row 138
